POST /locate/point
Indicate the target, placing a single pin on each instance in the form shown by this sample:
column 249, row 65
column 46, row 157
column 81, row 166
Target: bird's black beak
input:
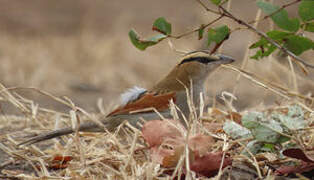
column 225, row 59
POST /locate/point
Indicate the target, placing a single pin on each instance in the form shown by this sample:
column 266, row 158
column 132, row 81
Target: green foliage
column 308, row 27
column 306, row 10
column 262, row 130
column 294, row 119
column 287, row 36
column 143, row 44
column 235, row 130
column 216, row 2
column 267, row 129
column 294, row 43
column 298, row 44
column 162, row 26
column 218, row 34
column 253, row 146
column 280, row 18
column 268, row 148
column 201, row 32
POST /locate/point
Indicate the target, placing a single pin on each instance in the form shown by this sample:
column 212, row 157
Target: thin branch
column 278, row 10
column 196, row 30
column 269, row 15
column 224, row 13
column 206, row 8
column 262, row 34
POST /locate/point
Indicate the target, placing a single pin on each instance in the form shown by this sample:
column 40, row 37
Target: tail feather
column 85, row 127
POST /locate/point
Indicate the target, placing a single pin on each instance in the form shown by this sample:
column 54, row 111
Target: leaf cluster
column 268, row 132
column 289, row 34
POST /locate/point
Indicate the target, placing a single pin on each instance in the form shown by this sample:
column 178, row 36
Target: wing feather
column 160, row 102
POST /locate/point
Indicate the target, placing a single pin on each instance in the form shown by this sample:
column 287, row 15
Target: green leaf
column 251, row 119
column 283, row 139
column 277, row 35
column 264, row 130
column 265, row 47
column 294, row 120
column 280, row 18
column 143, row 44
column 264, row 51
column 306, row 10
column 162, row 26
column 235, row 130
column 298, row 44
column 218, row 34
column 201, row 32
column 253, row 146
column 157, row 38
column 258, row 55
column 268, row 147
column 309, row 27
column 217, row 2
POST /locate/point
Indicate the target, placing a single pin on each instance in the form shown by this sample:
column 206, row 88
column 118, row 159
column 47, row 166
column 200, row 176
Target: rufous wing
column 148, row 101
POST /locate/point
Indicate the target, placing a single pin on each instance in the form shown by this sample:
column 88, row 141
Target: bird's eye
column 204, row 60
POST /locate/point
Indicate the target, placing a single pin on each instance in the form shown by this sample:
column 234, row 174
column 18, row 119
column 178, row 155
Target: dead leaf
column 298, row 153
column 167, row 145
column 303, row 167
column 155, row 132
column 59, row 162
column 208, row 165
column 201, row 144
column 172, row 160
column 158, row 154
column 236, row 117
column 213, row 127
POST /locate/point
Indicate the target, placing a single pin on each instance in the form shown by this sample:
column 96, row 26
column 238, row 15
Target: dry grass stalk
column 107, row 155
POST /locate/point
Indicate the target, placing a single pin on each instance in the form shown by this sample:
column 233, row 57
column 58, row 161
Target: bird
column 190, row 73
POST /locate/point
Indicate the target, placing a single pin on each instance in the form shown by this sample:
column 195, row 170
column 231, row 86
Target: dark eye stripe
column 203, row 60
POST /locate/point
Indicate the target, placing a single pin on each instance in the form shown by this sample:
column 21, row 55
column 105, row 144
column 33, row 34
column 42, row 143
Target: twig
column 206, row 8
column 268, row 16
column 247, row 51
column 262, row 34
column 225, row 13
column 257, row 81
column 278, row 10
column 196, row 30
column 254, row 161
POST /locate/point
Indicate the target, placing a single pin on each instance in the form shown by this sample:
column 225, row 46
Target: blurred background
column 80, row 49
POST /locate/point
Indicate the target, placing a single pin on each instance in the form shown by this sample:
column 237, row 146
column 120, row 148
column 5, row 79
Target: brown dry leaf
column 59, row 162
column 216, row 112
column 172, row 160
column 298, row 153
column 269, row 157
column 167, row 145
column 236, row 117
column 62, row 158
column 303, row 167
column 208, row 165
column 158, row 154
column 156, row 132
column 213, row 127
column 240, row 170
column 201, row 144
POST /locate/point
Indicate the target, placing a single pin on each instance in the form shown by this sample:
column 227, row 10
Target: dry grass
column 90, row 60
column 121, row 155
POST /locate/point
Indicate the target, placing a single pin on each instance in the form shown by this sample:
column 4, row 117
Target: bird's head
column 195, row 66
column 198, row 65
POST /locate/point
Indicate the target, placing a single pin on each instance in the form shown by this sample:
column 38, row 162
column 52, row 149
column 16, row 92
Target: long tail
column 85, row 127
